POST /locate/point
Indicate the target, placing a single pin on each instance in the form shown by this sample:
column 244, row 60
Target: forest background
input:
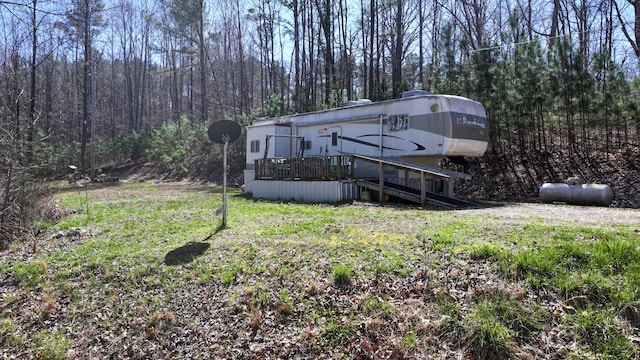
column 103, row 84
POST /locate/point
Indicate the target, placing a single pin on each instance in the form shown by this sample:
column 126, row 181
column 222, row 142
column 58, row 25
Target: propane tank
column 580, row 194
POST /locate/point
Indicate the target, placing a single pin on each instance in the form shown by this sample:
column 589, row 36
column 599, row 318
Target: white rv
column 420, row 128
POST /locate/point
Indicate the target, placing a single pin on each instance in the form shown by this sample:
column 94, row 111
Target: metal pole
column 380, row 181
column 225, row 138
column 380, row 118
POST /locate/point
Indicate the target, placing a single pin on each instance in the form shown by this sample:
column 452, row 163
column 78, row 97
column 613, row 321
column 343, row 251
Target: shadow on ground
column 186, row 253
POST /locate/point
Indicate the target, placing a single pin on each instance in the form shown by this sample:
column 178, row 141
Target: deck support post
column 381, row 182
column 423, row 188
column 447, row 187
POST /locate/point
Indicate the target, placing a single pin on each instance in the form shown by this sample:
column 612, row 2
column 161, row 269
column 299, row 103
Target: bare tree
column 397, row 53
column 84, row 17
column 325, row 14
column 134, row 42
column 188, row 22
column 635, row 39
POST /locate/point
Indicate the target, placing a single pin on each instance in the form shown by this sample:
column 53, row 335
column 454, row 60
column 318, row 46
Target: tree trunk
column 372, row 37
column 397, row 50
column 32, row 96
column 87, row 87
column 420, row 45
column 326, row 25
column 204, row 108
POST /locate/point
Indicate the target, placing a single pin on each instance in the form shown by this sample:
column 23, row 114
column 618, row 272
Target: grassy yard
column 142, row 271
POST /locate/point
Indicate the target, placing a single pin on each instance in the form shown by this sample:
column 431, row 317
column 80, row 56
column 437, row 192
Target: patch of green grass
column 484, row 250
column 8, row 335
column 410, row 340
column 337, row 333
column 615, row 255
column 601, row 332
column 486, row 337
column 496, row 321
column 43, row 226
column 261, row 298
column 390, row 264
column 73, row 222
column 51, row 345
column 240, row 262
column 31, row 273
column 342, row 274
column 306, row 227
column 599, row 264
column 6, row 327
column 227, row 276
column 450, row 313
column 541, row 262
column 375, row 306
column 285, row 303
column 205, row 273
column 451, row 233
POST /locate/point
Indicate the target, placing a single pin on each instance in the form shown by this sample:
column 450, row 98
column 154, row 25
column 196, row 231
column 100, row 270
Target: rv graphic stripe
column 418, row 147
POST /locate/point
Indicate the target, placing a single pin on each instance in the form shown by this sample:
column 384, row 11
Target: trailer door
column 283, row 147
column 334, row 141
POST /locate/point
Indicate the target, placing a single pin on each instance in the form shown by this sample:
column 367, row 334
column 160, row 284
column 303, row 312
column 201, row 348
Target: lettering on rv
column 398, row 122
column 471, row 122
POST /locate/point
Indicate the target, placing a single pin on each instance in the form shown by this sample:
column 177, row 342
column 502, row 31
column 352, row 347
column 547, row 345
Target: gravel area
column 560, row 213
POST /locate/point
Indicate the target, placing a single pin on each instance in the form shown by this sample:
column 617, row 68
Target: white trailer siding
column 421, row 129
column 256, row 136
column 304, row 191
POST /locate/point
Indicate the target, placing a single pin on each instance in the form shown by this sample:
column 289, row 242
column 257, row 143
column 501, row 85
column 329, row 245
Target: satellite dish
column 220, row 128
column 224, row 132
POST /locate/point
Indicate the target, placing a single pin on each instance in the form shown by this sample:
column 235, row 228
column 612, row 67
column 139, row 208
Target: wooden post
column 381, row 182
column 447, row 187
column 423, row 188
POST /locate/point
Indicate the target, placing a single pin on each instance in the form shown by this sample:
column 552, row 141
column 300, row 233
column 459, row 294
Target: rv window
column 307, row 145
column 255, row 146
column 334, row 139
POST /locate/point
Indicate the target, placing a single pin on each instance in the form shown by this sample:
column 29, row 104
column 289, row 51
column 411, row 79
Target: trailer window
column 307, row 145
column 334, row 139
column 398, row 122
column 255, row 146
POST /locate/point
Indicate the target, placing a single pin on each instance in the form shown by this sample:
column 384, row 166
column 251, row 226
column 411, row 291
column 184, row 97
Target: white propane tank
column 582, row 194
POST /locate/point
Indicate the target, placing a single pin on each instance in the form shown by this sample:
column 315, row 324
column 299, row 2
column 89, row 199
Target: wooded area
column 93, row 82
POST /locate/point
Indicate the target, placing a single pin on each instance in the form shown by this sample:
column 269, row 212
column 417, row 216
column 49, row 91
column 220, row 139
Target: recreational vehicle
column 418, row 131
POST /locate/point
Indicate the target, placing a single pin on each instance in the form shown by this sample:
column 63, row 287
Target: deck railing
column 338, row 167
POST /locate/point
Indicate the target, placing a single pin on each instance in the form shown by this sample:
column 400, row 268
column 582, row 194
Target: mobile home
column 420, row 129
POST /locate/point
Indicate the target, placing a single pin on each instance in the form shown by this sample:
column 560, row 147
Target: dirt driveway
column 559, row 213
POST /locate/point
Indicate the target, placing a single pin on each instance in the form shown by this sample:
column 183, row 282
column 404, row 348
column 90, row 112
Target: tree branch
column 633, row 43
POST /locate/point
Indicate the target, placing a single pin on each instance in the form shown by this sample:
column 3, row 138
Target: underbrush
column 176, row 150
column 144, row 270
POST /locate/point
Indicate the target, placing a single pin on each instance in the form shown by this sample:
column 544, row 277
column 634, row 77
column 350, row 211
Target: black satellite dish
column 224, row 132
column 220, row 128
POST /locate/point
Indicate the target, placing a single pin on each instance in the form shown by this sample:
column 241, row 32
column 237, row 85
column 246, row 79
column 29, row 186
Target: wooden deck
column 315, row 168
column 341, row 168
